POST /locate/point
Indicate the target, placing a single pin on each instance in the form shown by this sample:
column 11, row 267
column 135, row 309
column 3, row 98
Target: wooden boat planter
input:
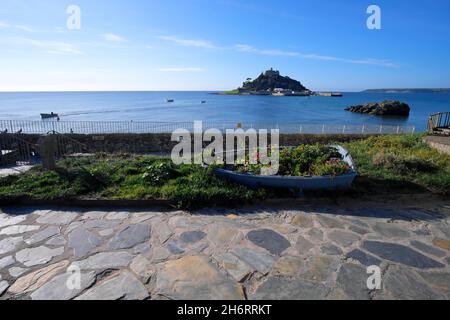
column 343, row 181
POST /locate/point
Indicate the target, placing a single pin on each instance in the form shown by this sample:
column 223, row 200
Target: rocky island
column 385, row 108
column 273, row 83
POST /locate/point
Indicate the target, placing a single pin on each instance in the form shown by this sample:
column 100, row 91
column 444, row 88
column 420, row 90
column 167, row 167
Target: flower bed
column 304, row 160
column 307, row 167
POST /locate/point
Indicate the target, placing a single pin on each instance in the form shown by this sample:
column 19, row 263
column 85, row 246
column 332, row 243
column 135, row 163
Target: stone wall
column 442, row 144
column 161, row 143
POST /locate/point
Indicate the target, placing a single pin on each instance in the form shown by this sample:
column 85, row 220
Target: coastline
column 152, row 106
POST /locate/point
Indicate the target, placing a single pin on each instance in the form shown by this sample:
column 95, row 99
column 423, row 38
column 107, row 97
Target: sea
column 188, row 106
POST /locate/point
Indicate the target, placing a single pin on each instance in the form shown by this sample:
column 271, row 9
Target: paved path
column 307, row 253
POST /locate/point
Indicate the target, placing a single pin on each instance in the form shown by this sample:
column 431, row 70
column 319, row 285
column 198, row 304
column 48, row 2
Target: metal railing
column 105, row 127
column 439, row 121
column 16, row 151
column 66, row 146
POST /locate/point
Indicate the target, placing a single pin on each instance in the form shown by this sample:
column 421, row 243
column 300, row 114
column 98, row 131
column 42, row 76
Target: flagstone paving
column 309, row 252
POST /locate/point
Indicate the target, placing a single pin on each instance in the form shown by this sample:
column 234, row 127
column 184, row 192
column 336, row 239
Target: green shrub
column 304, row 160
column 401, row 159
column 404, row 164
column 330, row 167
column 386, row 164
column 159, row 173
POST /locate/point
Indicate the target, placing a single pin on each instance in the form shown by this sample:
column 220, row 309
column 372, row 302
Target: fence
column 16, row 151
column 97, row 127
column 438, row 122
column 67, row 146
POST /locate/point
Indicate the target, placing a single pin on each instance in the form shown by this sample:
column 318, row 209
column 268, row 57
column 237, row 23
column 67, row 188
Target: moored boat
column 49, row 115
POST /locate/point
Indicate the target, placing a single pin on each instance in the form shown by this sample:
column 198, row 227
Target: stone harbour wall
column 161, row 143
column 440, row 143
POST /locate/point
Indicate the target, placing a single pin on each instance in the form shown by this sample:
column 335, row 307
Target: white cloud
column 25, row 28
column 276, row 52
column 20, row 27
column 53, row 47
column 113, row 37
column 189, row 69
column 247, row 48
column 189, row 42
column 376, row 62
column 313, row 56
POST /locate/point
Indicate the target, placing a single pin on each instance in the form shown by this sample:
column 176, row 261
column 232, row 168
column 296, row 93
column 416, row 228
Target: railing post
column 363, row 129
column 398, row 129
column 47, row 149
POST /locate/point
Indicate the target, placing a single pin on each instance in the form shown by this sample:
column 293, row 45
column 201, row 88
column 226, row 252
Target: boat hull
column 48, row 116
column 304, row 183
column 342, row 182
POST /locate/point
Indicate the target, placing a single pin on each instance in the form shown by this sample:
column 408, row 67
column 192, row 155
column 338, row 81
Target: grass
column 230, row 92
column 400, row 163
column 126, row 177
column 387, row 164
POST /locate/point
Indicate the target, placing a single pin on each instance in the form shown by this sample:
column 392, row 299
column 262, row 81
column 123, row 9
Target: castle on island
column 271, row 82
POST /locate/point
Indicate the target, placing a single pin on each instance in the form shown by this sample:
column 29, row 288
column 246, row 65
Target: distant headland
column 409, row 90
column 272, row 83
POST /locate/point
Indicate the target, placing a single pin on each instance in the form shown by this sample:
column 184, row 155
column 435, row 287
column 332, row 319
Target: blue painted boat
column 343, row 181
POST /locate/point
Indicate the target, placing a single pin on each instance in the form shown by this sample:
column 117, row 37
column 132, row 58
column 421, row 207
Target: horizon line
column 323, row 90
column 212, row 91
column 81, row 91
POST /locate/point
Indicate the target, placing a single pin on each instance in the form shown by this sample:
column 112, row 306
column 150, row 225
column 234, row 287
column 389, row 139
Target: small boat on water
column 49, row 115
column 170, row 100
column 203, row 101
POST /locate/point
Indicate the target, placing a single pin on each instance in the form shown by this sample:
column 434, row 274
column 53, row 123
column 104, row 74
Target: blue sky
column 217, row 44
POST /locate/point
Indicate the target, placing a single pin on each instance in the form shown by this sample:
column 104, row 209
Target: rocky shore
column 385, row 108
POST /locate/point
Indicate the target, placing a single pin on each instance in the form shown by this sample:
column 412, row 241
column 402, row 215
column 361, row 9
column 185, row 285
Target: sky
column 217, row 44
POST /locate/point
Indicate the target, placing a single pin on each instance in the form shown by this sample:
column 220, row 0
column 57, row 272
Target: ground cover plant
column 125, row 177
column 304, row 160
column 399, row 162
column 385, row 164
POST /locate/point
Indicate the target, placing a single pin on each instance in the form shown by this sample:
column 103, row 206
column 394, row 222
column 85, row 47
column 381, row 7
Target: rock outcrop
column 385, row 108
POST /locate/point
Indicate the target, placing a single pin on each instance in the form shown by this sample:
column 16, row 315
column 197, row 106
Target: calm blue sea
column 152, row 106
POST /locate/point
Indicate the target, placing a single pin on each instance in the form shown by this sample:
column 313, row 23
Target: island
column 272, row 83
column 385, row 108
